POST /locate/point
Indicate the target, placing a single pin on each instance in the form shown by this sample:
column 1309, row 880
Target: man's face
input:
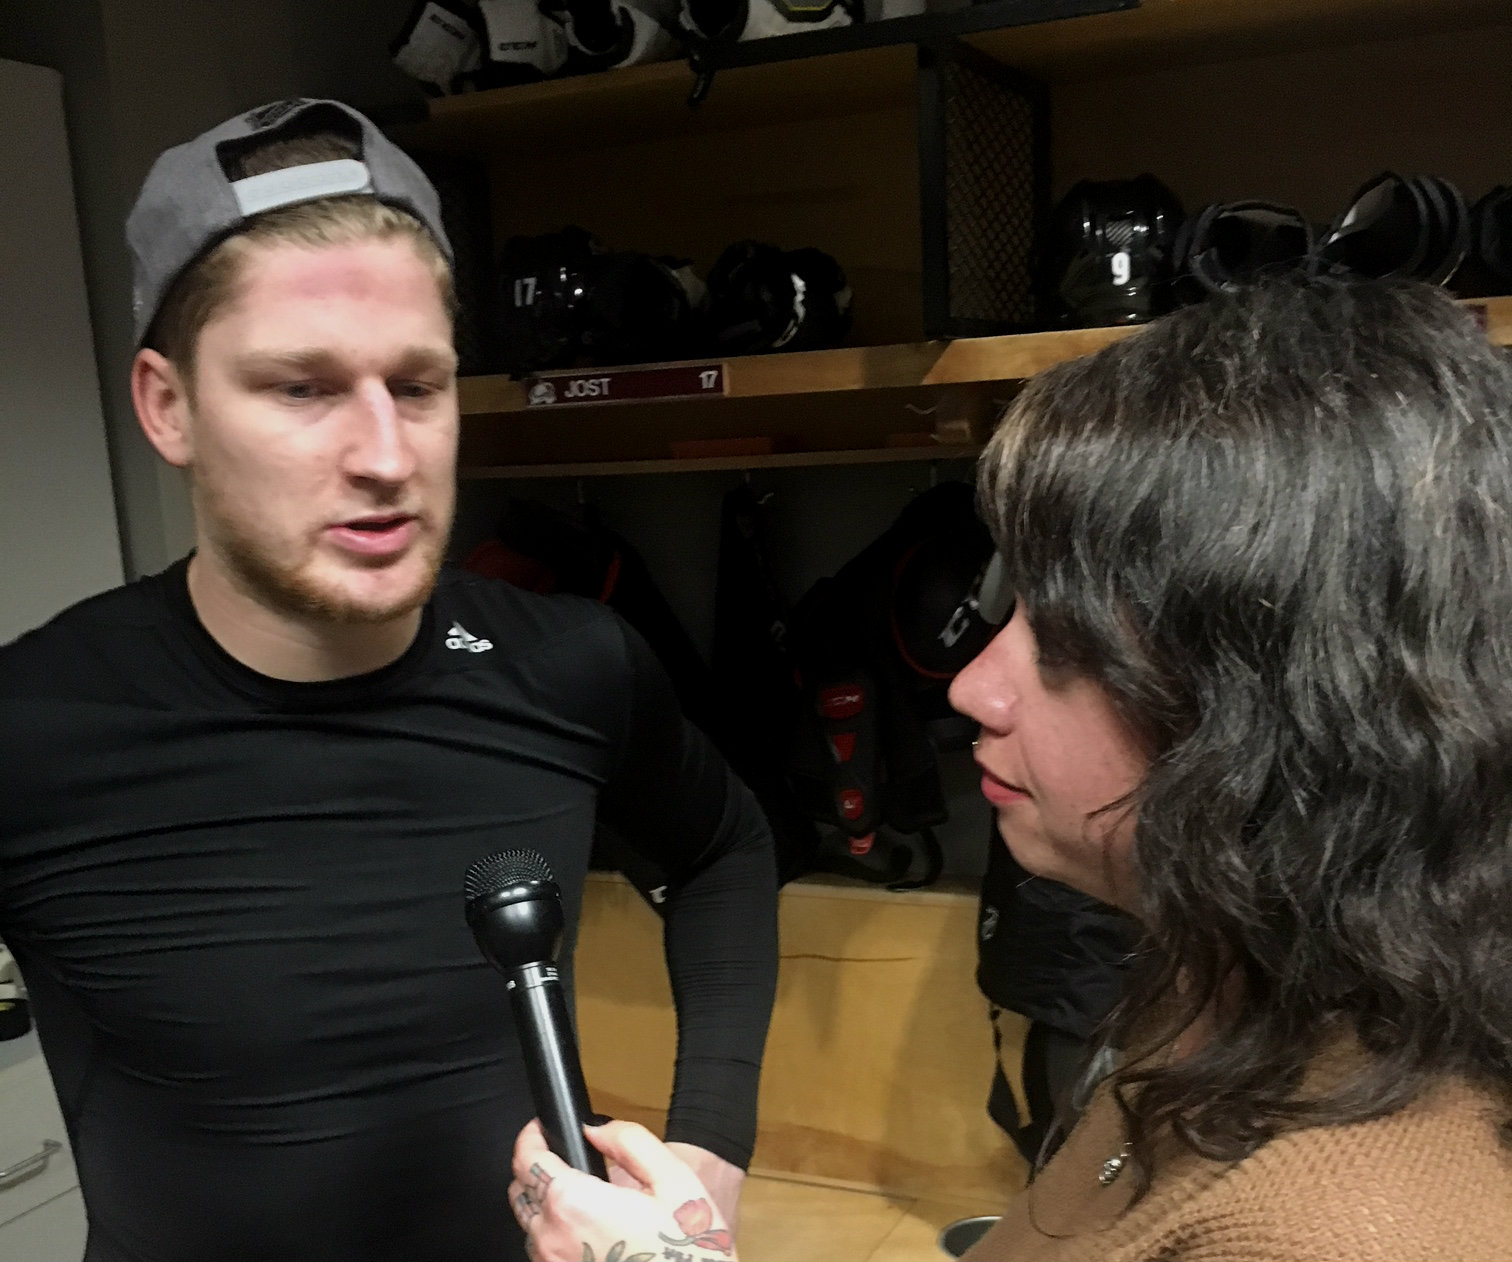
column 323, row 431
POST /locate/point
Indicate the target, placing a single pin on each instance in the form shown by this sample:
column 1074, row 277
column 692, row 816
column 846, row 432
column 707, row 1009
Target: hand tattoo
column 616, row 1254
column 696, row 1219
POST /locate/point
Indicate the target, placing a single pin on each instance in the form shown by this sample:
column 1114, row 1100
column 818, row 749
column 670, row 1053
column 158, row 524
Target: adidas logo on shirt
column 459, row 638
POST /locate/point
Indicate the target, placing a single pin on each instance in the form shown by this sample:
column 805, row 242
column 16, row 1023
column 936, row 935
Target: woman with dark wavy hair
column 1256, row 691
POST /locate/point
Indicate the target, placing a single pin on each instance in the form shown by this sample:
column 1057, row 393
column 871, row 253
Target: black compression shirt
column 237, row 904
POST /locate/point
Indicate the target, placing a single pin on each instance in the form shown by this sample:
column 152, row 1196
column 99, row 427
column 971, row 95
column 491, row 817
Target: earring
column 976, row 742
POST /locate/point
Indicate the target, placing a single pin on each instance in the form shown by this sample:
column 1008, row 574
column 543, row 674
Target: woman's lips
column 1000, row 792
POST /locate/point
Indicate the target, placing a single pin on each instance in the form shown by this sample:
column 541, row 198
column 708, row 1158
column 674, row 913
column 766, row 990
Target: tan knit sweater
column 1432, row 1183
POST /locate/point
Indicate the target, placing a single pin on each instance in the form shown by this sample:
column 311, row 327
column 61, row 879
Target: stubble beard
column 293, row 591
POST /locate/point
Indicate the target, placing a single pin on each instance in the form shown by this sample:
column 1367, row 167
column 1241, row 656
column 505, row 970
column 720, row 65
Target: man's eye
column 413, row 390
column 299, row 390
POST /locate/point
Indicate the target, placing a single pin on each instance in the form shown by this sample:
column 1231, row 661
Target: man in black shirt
column 238, row 798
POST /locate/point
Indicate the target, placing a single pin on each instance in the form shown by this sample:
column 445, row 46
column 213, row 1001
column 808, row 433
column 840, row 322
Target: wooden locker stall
column 1295, row 101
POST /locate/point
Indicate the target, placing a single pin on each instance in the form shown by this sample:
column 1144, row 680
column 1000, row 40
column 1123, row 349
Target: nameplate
column 625, row 385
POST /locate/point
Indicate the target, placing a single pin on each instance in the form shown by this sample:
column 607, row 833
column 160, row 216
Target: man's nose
column 379, row 448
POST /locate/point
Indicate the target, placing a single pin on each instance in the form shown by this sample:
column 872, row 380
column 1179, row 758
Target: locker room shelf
column 925, row 401
column 578, row 115
column 977, row 359
column 1161, row 34
column 714, row 464
column 575, row 116
column 1012, row 357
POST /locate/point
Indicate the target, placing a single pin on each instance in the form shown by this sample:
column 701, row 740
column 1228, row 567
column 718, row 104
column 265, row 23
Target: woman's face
column 1053, row 753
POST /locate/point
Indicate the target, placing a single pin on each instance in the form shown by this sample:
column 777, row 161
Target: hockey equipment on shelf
column 607, row 34
column 1110, row 252
column 762, row 298
column 540, row 284
column 635, row 309
column 441, row 41
column 521, row 44
column 1493, row 232
column 1229, row 244
column 1412, row 227
column 1488, row 269
column 729, row 21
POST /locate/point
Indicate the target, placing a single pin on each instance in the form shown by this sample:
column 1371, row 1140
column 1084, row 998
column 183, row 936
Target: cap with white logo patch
column 189, row 203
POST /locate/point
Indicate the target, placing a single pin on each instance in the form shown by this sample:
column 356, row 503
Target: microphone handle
column 551, row 1062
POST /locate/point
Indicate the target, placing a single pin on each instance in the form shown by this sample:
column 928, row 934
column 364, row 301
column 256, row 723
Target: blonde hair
column 209, row 283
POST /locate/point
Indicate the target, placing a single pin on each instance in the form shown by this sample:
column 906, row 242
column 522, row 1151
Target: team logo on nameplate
column 626, row 385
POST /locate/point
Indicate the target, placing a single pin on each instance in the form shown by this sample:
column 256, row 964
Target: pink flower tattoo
column 696, row 1218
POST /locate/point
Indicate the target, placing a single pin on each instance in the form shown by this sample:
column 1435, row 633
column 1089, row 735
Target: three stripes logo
column 460, row 638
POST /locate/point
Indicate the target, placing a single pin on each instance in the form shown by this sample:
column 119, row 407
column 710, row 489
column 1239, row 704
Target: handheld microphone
column 514, row 907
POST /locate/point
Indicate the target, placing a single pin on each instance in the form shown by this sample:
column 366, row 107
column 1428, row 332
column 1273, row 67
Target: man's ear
column 161, row 399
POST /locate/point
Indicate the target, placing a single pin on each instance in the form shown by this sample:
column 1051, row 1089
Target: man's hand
column 723, row 1180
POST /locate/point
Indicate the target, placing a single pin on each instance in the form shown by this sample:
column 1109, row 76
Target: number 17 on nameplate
column 625, row 385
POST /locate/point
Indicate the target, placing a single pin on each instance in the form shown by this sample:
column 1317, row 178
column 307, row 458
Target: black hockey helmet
column 1229, row 244
column 635, row 309
column 540, row 284
column 762, row 298
column 1493, row 232
column 1488, row 270
column 1110, row 251
column 1415, row 227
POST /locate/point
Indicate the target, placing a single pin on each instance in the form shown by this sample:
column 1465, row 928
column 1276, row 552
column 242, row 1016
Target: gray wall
column 58, row 539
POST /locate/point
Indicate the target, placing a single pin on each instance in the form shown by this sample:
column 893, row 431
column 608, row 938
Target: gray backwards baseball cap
column 188, row 203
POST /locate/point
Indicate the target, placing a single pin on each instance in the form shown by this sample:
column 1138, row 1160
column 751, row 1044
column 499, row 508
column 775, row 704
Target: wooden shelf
column 980, row 359
column 1011, row 357
column 715, row 464
column 640, row 104
column 837, row 407
column 1165, row 33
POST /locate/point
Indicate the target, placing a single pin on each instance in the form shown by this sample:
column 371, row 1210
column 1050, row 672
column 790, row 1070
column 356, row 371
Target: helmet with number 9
column 1110, row 252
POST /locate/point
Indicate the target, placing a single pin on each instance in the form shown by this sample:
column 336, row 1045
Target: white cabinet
column 41, row 1211
column 54, row 1232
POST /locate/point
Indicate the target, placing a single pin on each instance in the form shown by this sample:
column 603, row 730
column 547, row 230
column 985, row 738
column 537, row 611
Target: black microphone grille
column 501, row 870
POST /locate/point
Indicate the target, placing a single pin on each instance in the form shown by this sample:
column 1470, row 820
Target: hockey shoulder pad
column 731, row 21
column 438, row 45
column 523, row 44
column 607, row 34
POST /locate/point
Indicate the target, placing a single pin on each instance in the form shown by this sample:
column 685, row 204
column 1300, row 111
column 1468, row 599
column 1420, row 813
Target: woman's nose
column 983, row 689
